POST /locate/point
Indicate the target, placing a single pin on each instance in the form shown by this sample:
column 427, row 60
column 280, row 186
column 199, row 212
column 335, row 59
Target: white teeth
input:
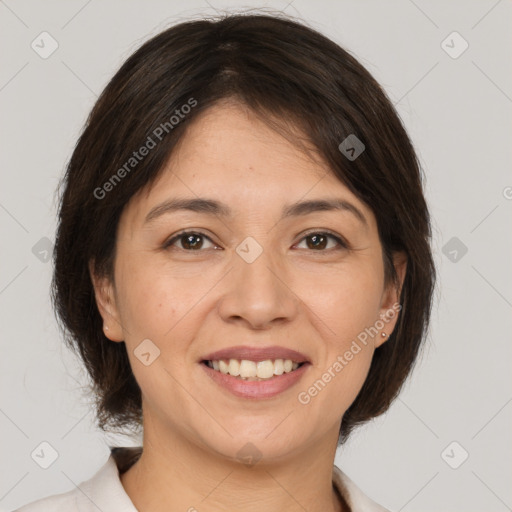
column 223, row 366
column 265, row 369
column 251, row 370
column 234, row 367
column 247, row 368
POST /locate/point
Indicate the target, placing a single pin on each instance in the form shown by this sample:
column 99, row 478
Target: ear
column 105, row 300
column 390, row 304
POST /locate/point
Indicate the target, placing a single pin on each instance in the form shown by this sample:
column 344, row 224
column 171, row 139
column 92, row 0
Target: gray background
column 457, row 111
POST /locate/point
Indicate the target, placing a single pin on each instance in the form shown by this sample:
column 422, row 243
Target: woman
column 243, row 263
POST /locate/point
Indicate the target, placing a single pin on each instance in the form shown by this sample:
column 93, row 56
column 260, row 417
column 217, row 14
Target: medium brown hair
column 282, row 70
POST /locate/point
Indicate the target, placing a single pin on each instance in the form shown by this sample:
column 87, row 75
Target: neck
column 181, row 475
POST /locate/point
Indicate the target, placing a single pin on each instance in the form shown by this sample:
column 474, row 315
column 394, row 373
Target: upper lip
column 256, row 354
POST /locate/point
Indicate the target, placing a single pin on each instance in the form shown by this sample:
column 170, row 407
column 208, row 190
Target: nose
column 259, row 294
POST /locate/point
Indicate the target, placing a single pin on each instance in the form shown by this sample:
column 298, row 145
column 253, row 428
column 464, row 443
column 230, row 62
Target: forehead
column 231, row 137
column 231, row 154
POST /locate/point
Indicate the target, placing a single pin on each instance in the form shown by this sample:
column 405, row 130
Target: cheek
column 345, row 306
column 153, row 300
column 332, row 388
column 157, row 306
column 346, row 301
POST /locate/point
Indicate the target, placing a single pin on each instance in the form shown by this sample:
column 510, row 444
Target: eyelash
column 342, row 244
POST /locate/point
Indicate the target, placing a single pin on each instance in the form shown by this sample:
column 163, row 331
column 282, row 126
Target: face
column 254, row 275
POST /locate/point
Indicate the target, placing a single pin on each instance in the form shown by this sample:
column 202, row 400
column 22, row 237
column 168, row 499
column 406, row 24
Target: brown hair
column 282, row 70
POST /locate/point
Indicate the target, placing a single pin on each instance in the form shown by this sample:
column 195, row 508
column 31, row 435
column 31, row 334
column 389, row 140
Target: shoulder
column 65, row 502
column 356, row 499
column 103, row 491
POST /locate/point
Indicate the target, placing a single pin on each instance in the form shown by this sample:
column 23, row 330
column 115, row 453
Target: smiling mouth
column 244, row 369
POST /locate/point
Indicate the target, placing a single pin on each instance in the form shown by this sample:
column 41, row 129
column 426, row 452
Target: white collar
column 355, row 498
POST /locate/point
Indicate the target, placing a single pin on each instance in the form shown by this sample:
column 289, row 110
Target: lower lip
column 256, row 388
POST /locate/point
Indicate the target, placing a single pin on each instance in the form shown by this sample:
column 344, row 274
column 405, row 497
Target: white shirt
column 105, row 492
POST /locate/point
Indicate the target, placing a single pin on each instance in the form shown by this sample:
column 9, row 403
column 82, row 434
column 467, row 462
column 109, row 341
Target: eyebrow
column 213, row 207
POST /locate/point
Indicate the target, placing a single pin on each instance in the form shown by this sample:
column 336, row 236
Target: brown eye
column 189, row 241
column 320, row 241
column 192, row 241
column 316, row 241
